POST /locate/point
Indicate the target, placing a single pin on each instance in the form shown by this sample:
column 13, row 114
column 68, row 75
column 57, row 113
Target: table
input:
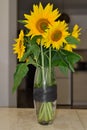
column 25, row 119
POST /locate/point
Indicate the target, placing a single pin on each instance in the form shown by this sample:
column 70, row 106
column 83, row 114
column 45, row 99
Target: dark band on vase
column 47, row 95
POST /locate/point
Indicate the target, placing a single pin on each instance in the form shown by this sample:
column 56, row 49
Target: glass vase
column 45, row 95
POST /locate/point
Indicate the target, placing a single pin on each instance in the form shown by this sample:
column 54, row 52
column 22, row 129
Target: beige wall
column 8, row 26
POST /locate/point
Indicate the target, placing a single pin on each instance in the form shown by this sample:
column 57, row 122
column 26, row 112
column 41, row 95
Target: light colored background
column 8, row 27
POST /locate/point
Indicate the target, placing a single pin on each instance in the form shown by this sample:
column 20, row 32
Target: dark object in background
column 65, row 17
column 25, row 96
column 30, row 84
column 81, row 66
column 30, row 77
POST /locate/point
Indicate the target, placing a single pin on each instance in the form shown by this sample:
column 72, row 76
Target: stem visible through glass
column 49, row 65
column 43, row 73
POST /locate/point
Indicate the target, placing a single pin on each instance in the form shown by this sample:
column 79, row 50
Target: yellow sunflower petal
column 69, row 47
column 40, row 7
column 19, row 47
column 35, row 8
column 76, row 31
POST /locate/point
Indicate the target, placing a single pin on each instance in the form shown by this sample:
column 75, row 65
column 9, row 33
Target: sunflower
column 56, row 35
column 76, row 31
column 69, row 47
column 19, row 47
column 40, row 18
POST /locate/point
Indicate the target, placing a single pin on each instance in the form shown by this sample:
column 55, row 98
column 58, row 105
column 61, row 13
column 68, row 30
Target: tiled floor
column 82, row 115
column 25, row 119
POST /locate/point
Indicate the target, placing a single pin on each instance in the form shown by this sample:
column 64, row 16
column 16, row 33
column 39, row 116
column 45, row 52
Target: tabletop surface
column 25, row 119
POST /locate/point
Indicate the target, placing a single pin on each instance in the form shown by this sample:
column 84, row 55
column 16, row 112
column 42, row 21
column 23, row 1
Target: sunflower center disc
column 42, row 25
column 56, row 35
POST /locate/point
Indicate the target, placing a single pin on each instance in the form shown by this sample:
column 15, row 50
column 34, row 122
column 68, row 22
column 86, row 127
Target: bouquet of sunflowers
column 46, row 43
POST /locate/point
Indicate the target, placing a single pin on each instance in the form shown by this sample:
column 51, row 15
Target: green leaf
column 35, row 50
column 71, row 66
column 72, row 40
column 34, row 39
column 32, row 50
column 65, row 60
column 71, row 58
column 21, row 71
column 64, row 70
column 27, row 53
column 58, row 59
column 32, row 61
column 22, row 21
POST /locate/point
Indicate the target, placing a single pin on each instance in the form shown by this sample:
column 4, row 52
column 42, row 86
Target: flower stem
column 46, row 112
column 43, row 73
column 49, row 65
